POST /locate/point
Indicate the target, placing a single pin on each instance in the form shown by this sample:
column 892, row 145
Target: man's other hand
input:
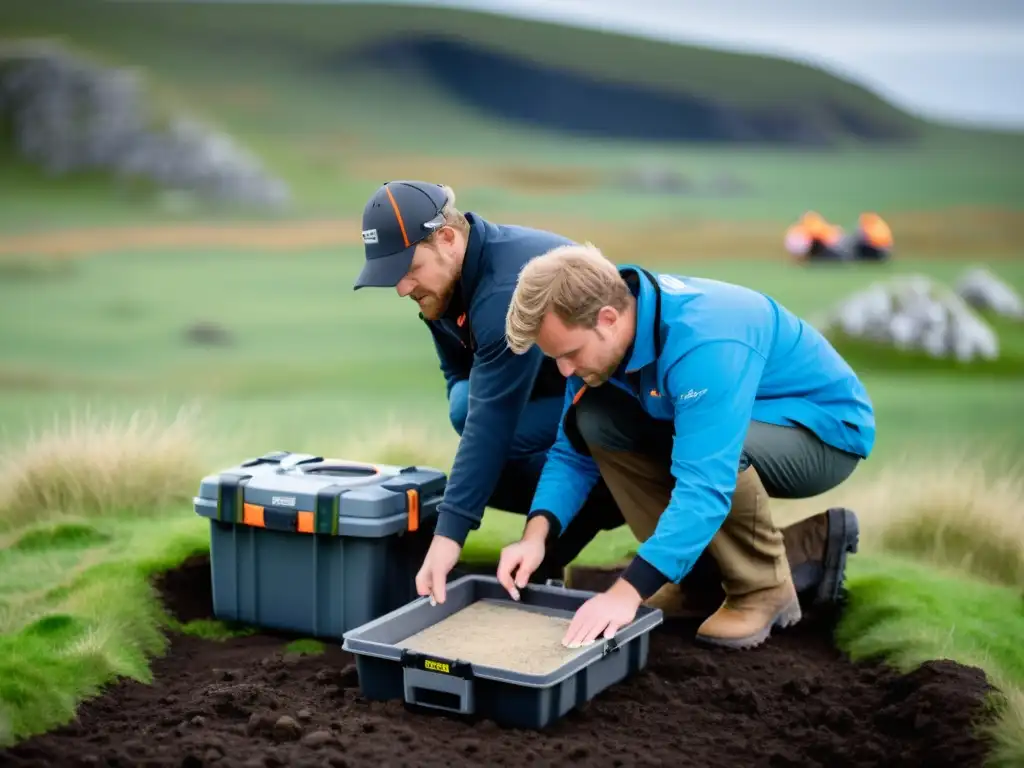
column 433, row 574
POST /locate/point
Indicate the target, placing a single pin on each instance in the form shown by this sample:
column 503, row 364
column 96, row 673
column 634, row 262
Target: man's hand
column 441, row 558
column 523, row 557
column 605, row 613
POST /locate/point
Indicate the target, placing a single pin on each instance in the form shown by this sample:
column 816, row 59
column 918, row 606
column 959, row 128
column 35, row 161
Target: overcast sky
column 955, row 59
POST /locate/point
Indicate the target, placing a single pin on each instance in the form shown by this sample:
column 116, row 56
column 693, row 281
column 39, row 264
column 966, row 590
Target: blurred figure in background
column 872, row 239
column 461, row 270
column 813, row 239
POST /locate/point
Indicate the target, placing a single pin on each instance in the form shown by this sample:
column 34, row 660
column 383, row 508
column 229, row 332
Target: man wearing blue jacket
column 695, row 401
column 461, row 271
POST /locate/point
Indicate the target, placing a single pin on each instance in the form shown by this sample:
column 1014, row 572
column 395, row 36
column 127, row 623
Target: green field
column 311, row 361
column 262, row 73
column 92, row 503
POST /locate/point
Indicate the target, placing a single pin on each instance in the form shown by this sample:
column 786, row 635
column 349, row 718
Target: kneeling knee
column 598, row 426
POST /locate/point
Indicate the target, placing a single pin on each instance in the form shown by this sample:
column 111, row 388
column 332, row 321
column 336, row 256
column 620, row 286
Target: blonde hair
column 453, row 217
column 573, row 281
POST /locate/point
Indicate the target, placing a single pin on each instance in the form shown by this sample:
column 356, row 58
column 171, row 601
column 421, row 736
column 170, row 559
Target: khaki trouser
column 749, row 552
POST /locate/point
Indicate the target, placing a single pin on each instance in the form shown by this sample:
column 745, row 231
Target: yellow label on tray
column 436, row 666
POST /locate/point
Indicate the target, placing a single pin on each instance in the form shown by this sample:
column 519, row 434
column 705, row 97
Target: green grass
column 318, row 363
column 73, row 618
column 211, row 629
column 908, row 613
column 305, row 647
column 911, row 612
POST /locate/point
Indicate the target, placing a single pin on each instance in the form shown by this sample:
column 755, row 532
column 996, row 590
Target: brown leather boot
column 817, row 549
column 676, row 602
column 746, row 621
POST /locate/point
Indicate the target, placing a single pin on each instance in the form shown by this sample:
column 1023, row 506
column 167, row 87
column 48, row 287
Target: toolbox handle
column 438, row 683
column 292, row 460
column 273, row 457
column 330, row 466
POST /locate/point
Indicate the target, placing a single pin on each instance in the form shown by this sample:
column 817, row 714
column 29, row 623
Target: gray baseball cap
column 396, row 218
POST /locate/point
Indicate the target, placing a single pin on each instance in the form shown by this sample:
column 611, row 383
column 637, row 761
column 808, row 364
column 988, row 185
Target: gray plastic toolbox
column 511, row 699
column 316, row 546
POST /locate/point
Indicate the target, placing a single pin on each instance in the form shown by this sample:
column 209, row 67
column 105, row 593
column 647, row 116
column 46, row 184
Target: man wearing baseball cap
column 461, row 271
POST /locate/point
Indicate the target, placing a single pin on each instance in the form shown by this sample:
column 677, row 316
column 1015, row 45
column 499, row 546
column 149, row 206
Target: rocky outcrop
column 67, row 114
column 984, row 291
column 915, row 313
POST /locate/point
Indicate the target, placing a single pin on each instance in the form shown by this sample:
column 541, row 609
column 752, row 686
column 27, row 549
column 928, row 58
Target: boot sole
column 843, row 539
column 784, row 619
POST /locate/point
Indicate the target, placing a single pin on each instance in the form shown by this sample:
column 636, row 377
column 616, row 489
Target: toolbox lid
column 312, row 494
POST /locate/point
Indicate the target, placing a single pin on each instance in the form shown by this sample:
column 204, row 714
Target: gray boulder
column 983, row 290
column 70, row 115
column 915, row 313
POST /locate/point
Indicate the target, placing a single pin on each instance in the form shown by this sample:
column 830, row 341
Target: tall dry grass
column 964, row 512
column 398, row 442
column 1007, row 730
column 88, row 465
column 389, row 439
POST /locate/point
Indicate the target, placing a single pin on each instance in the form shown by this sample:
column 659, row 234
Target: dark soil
column 793, row 702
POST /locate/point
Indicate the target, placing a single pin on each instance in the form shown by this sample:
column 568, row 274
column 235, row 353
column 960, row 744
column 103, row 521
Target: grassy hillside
column 322, row 36
column 294, row 84
column 270, row 76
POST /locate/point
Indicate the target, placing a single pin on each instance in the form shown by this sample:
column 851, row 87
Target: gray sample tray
column 510, row 698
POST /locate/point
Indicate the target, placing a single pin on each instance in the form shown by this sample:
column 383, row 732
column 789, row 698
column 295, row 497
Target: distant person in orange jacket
column 814, row 239
column 872, row 240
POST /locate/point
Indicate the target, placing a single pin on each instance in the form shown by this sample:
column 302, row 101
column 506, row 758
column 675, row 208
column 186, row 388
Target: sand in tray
column 497, row 635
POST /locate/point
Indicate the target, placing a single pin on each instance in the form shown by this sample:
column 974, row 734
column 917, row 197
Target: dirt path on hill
column 656, row 239
column 989, row 234
column 291, row 235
